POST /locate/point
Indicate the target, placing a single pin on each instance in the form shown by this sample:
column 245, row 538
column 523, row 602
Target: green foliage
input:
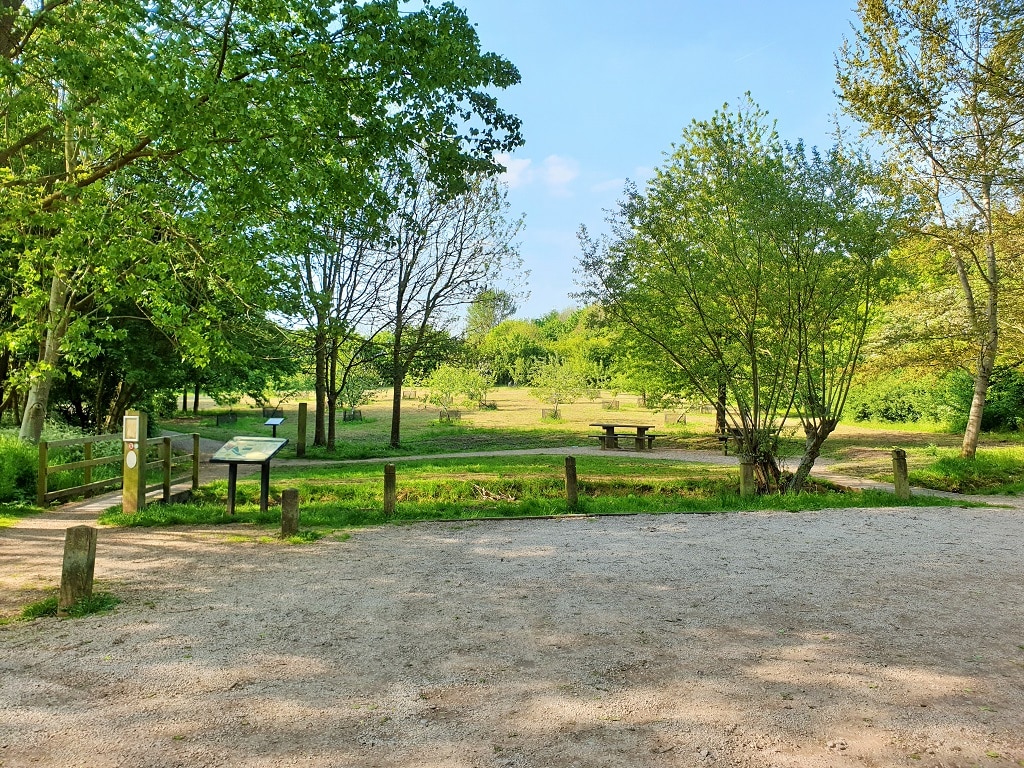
column 19, row 464
column 910, row 395
column 448, row 383
column 98, row 602
column 562, row 381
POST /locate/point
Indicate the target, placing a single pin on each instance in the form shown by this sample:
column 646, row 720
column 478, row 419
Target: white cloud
column 518, row 171
column 558, row 173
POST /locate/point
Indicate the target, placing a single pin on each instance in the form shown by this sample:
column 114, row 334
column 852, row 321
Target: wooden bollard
column 289, row 512
column 571, row 490
column 79, row 565
column 899, row 473
column 390, row 490
column 748, row 487
column 300, row 440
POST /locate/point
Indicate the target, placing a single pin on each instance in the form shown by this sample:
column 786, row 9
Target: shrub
column 909, row 396
column 18, row 467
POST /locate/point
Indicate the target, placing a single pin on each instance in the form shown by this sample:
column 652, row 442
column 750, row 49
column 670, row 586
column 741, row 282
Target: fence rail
column 166, row 460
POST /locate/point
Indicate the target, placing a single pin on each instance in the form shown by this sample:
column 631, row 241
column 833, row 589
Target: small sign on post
column 133, row 495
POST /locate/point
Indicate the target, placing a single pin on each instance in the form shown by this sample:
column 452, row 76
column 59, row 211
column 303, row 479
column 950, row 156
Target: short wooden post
column 165, row 456
column 41, row 478
column 748, row 487
column 899, row 472
column 289, row 512
column 87, row 450
column 300, row 440
column 79, row 565
column 390, row 490
column 133, row 497
column 571, row 490
column 195, row 461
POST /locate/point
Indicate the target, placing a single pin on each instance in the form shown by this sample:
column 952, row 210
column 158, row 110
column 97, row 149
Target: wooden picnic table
column 610, row 439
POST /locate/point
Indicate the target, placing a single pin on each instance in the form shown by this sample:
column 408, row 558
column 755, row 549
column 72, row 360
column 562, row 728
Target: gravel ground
column 836, row 638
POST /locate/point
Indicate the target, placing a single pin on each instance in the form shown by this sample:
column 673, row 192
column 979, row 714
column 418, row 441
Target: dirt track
column 855, row 637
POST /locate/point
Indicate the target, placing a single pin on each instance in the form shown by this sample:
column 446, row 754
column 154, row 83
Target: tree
column 448, row 382
column 146, row 144
column 559, row 382
column 488, row 310
column 755, row 263
column 510, row 349
column 939, row 83
column 444, row 251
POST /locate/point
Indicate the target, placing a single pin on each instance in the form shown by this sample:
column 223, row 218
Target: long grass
column 992, row 470
column 343, row 496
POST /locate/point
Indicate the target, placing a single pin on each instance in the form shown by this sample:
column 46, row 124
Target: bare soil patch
column 837, row 638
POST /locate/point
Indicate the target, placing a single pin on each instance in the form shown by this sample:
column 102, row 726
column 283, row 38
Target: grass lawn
column 339, row 495
column 11, row 512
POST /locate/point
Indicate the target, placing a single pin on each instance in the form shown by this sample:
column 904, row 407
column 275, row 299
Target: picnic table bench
column 730, row 434
column 642, row 439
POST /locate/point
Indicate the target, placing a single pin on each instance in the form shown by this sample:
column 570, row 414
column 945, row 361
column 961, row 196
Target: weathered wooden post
column 390, row 490
column 571, row 494
column 133, row 495
column 748, row 487
column 195, row 461
column 79, row 565
column 899, row 472
column 165, row 456
column 300, row 440
column 87, row 454
column 41, row 477
column 289, row 512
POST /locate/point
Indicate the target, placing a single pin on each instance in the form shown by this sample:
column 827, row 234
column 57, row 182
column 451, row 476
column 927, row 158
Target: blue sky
column 607, row 87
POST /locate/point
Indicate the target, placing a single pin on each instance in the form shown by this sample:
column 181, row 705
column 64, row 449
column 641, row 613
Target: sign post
column 248, row 450
column 133, row 495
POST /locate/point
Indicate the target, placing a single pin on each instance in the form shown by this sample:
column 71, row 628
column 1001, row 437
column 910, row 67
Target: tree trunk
column 39, row 392
column 184, row 399
column 397, row 379
column 986, row 361
column 721, row 425
column 986, row 355
column 5, row 363
column 320, row 386
column 195, row 399
column 332, row 397
column 812, row 450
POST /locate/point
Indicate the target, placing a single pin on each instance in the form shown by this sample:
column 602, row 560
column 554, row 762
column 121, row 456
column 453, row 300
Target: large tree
column 755, row 263
column 444, row 250
column 940, row 82
column 240, row 108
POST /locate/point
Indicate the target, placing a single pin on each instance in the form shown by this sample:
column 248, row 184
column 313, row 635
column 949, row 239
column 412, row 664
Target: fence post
column 289, row 512
column 87, row 453
column 300, row 440
column 390, row 492
column 571, row 495
column 195, row 461
column 133, row 497
column 166, row 458
column 41, row 479
column 79, row 565
column 899, row 472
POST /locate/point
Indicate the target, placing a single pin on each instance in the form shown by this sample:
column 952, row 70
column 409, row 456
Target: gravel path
column 874, row 637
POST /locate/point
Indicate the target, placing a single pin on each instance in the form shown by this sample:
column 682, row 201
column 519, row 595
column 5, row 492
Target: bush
column 18, row 467
column 909, row 396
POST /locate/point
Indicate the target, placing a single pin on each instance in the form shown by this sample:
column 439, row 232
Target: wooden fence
column 166, row 461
